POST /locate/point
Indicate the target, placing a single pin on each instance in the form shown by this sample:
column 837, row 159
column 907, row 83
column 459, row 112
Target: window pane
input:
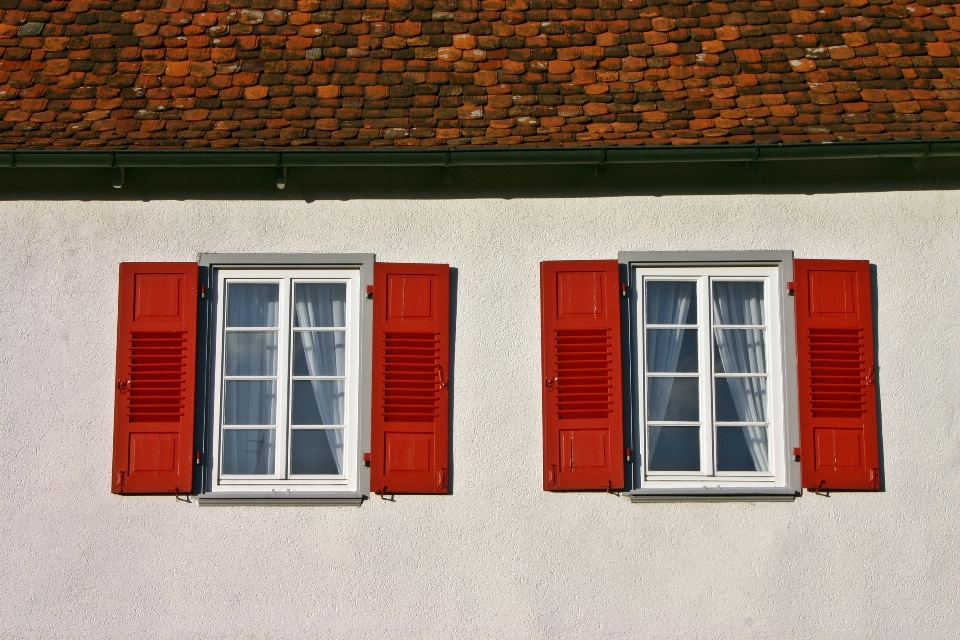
column 316, row 451
column 671, row 302
column 675, row 399
column 739, row 351
column 738, row 302
column 250, row 402
column 742, row 449
column 674, row 449
column 317, row 402
column 672, row 350
column 251, row 353
column 249, row 451
column 320, row 304
column 253, row 304
column 319, row 353
column 741, row 399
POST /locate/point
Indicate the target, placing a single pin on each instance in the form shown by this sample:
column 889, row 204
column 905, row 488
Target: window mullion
column 283, row 381
column 707, row 427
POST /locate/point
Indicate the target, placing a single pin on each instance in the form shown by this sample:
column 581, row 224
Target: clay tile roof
column 373, row 73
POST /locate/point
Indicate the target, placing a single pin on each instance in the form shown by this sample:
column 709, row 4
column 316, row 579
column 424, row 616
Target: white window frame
column 775, row 268
column 350, row 487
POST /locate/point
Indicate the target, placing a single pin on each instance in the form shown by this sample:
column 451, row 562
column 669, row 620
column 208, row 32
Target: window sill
column 732, row 494
column 301, row 499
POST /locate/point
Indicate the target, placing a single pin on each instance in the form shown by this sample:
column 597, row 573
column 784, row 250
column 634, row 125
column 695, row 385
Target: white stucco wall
column 499, row 558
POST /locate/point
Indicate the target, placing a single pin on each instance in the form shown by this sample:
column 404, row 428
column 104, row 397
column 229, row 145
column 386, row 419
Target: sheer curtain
column 324, row 305
column 667, row 303
column 742, row 351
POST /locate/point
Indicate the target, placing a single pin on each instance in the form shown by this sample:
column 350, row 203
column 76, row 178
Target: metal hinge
column 792, row 288
column 624, row 290
column 203, row 291
column 370, row 291
column 796, row 454
column 367, row 458
column 629, row 452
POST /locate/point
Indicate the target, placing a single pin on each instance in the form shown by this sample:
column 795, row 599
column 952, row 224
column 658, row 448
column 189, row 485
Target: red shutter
column 156, row 371
column 411, row 368
column 583, row 379
column 836, row 367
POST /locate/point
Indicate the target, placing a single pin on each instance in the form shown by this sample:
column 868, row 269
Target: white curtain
column 742, row 351
column 667, row 303
column 324, row 305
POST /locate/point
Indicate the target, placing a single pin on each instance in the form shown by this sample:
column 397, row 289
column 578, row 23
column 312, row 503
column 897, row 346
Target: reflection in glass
column 742, row 449
column 251, row 353
column 671, row 302
column 249, row 402
column 741, row 399
column 672, row 350
column 674, row 448
column 316, row 451
column 320, row 304
column 249, row 451
column 738, row 302
column 317, row 402
column 739, row 351
column 319, row 353
column 252, row 304
column 673, row 399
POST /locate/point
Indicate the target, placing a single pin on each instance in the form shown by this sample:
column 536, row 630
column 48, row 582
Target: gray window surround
column 783, row 261
column 210, row 263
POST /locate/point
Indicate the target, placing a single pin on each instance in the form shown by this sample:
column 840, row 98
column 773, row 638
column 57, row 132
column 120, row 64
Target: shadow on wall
column 504, row 181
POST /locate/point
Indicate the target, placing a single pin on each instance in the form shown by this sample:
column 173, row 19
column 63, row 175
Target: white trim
column 281, row 479
column 708, row 477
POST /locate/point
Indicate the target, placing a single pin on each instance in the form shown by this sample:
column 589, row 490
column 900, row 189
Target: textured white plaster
column 499, row 558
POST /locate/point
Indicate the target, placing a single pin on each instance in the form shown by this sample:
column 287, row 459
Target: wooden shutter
column 411, row 369
column 583, row 378
column 156, row 370
column 836, row 367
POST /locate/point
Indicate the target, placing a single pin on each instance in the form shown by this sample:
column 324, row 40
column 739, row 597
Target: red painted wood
column 836, row 375
column 410, row 449
column 156, row 376
column 582, row 375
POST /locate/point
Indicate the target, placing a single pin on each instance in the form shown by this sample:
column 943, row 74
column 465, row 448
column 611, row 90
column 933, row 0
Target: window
column 287, row 379
column 708, row 358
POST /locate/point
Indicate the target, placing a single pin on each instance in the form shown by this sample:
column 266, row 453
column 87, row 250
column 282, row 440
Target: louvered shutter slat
column 836, row 367
column 155, row 386
column 411, row 365
column 582, row 375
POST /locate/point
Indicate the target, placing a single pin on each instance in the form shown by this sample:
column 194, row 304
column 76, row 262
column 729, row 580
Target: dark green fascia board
column 454, row 157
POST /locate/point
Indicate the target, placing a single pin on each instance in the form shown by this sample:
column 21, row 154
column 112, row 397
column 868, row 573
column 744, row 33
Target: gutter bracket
column 601, row 169
column 752, row 164
column 919, row 161
column 448, row 171
column 117, row 174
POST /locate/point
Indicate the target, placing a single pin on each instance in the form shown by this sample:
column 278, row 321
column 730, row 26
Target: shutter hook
column 443, row 384
column 122, row 385
column 549, row 382
column 819, row 490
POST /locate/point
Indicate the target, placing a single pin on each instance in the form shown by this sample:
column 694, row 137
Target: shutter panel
column 156, row 372
column 411, row 368
column 836, row 371
column 583, row 377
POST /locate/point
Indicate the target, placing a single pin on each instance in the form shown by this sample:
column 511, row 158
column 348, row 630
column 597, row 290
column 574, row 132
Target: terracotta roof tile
column 354, row 73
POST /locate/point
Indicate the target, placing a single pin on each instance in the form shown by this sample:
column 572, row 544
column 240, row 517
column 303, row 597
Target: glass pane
column 320, row 304
column 742, row 449
column 251, row 353
column 673, row 399
column 741, row 399
column 252, row 304
column 319, row 353
column 674, row 449
column 250, row 402
column 249, row 451
column 317, row 402
column 739, row 351
column 738, row 302
column 672, row 350
column 316, row 451
column 671, row 302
